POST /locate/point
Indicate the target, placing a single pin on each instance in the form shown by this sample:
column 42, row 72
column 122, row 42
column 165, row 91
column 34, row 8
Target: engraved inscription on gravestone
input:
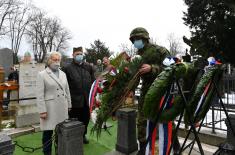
column 27, row 80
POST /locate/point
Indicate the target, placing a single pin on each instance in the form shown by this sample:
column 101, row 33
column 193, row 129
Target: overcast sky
column 111, row 21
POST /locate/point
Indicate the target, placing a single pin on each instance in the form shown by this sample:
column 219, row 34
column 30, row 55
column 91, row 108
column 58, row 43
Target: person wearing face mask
column 53, row 98
column 80, row 77
column 152, row 56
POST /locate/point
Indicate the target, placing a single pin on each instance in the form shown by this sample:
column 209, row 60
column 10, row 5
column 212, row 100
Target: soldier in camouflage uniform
column 153, row 56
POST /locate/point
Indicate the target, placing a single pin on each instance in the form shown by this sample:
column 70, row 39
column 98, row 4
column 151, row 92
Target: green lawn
column 104, row 144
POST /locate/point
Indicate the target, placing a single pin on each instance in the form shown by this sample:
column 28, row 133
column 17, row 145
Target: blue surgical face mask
column 79, row 58
column 138, row 44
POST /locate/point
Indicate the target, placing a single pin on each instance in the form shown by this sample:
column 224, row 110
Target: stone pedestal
column 126, row 134
column 27, row 115
column 6, row 146
column 70, row 138
column 230, row 136
column 228, row 147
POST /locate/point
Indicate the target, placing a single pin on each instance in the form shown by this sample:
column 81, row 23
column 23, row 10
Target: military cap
column 139, row 32
column 80, row 49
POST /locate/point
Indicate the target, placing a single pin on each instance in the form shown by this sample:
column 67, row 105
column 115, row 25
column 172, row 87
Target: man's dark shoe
column 141, row 152
column 47, row 153
column 85, row 140
column 142, row 149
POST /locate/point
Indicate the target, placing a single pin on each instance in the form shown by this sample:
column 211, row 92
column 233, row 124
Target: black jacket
column 13, row 76
column 80, row 78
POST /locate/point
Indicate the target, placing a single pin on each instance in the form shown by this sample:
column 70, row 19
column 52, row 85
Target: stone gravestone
column 70, row 137
column 230, row 135
column 6, row 60
column 126, row 136
column 6, row 146
column 126, row 133
column 228, row 147
column 27, row 109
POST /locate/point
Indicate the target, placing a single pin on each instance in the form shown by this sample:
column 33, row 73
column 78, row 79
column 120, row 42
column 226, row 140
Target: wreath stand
column 106, row 127
column 191, row 121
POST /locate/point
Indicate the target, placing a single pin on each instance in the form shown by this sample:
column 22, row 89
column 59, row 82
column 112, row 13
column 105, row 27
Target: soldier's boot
column 142, row 149
column 47, row 153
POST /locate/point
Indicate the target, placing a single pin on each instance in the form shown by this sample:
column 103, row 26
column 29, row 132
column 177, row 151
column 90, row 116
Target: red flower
column 97, row 104
column 99, row 90
column 126, row 69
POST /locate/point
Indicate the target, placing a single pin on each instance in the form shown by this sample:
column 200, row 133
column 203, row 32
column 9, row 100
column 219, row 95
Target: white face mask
column 55, row 66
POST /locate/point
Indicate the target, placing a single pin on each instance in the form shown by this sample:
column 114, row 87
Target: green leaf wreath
column 119, row 86
column 165, row 79
column 117, row 89
column 159, row 88
column 212, row 73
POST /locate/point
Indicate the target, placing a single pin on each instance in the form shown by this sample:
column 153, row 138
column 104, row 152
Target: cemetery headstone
column 6, row 146
column 126, row 134
column 228, row 147
column 27, row 110
column 230, row 135
column 6, row 60
column 70, row 138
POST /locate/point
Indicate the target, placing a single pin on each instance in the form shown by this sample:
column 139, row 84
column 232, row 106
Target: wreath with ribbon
column 126, row 78
column 202, row 94
column 116, row 88
column 158, row 89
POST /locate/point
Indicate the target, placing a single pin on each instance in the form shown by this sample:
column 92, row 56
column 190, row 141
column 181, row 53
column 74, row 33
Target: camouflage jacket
column 153, row 55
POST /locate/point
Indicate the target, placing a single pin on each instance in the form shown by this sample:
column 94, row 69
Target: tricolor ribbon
column 202, row 97
column 165, row 133
column 92, row 93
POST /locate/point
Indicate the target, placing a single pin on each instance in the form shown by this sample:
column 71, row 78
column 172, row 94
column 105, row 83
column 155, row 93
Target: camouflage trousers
column 141, row 122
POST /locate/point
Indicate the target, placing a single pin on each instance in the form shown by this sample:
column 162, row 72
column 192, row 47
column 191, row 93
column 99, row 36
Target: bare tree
column 58, row 36
column 18, row 22
column 7, row 7
column 130, row 50
column 46, row 34
column 37, row 34
column 174, row 44
column 61, row 41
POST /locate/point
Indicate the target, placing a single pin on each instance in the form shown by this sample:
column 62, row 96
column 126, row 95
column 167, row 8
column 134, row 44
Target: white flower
column 135, row 57
column 168, row 61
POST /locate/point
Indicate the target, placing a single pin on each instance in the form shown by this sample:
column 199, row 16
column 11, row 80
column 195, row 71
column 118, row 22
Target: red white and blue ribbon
column 165, row 136
column 150, row 148
column 113, row 71
column 211, row 62
column 165, row 133
column 202, row 97
column 92, row 93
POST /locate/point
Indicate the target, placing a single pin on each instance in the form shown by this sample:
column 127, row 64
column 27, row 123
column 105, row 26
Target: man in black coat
column 80, row 77
column 14, row 75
